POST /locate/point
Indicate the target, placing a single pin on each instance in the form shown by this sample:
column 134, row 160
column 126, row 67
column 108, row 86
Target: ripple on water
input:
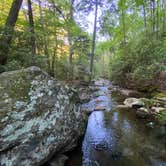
column 115, row 138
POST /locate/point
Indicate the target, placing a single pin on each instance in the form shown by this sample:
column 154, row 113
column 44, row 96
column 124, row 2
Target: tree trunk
column 93, row 40
column 32, row 38
column 44, row 36
column 70, row 21
column 144, row 12
column 8, row 32
column 124, row 26
column 154, row 20
column 54, row 58
column 164, row 16
column 157, row 20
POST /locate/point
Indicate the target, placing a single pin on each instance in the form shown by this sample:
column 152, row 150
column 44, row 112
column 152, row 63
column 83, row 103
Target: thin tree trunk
column 44, row 42
column 93, row 40
column 157, row 20
column 153, row 13
column 70, row 20
column 8, row 33
column 32, row 38
column 144, row 12
column 124, row 26
column 70, row 56
column 164, row 15
column 151, row 16
column 54, row 59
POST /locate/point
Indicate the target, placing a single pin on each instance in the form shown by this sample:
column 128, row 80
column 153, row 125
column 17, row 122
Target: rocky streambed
column 42, row 120
column 116, row 135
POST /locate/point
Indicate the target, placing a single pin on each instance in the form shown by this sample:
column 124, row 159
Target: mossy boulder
column 39, row 117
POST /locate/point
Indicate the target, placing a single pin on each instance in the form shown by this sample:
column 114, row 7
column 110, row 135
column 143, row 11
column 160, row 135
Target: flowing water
column 118, row 138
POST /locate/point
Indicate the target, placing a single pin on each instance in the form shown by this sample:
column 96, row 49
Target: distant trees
column 136, row 16
column 46, row 34
column 87, row 6
column 138, row 38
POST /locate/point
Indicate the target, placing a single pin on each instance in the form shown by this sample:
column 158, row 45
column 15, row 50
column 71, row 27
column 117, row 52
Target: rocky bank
column 39, row 118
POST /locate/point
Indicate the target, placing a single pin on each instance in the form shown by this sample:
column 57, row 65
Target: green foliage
column 102, row 59
column 162, row 117
column 12, row 65
column 160, row 95
column 54, row 27
column 134, row 53
column 138, row 44
column 22, row 55
column 139, row 61
column 62, row 67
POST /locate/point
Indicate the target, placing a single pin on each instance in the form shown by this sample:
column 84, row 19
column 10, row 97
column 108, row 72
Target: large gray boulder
column 39, row 118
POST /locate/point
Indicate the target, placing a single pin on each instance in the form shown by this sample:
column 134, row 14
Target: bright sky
column 88, row 21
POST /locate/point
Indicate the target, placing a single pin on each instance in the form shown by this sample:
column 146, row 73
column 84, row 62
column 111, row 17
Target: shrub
column 139, row 62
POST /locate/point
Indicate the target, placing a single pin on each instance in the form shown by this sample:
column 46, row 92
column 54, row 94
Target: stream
column 117, row 138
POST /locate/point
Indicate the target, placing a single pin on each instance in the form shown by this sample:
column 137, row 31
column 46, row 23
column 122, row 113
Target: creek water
column 118, row 138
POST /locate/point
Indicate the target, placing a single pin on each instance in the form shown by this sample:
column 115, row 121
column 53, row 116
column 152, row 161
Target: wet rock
column 101, row 146
column 123, row 107
column 86, row 93
column 158, row 109
column 134, row 103
column 99, row 108
column 150, row 124
column 93, row 88
column 98, row 100
column 84, row 97
column 39, row 117
column 142, row 112
column 96, row 94
column 102, row 82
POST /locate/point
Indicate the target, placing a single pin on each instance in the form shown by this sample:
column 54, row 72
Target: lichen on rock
column 39, row 117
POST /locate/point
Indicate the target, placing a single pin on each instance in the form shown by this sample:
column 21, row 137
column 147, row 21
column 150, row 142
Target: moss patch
column 159, row 95
column 15, row 85
column 162, row 117
column 21, row 87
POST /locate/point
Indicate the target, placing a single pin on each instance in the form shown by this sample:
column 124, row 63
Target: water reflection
column 116, row 138
column 113, row 139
